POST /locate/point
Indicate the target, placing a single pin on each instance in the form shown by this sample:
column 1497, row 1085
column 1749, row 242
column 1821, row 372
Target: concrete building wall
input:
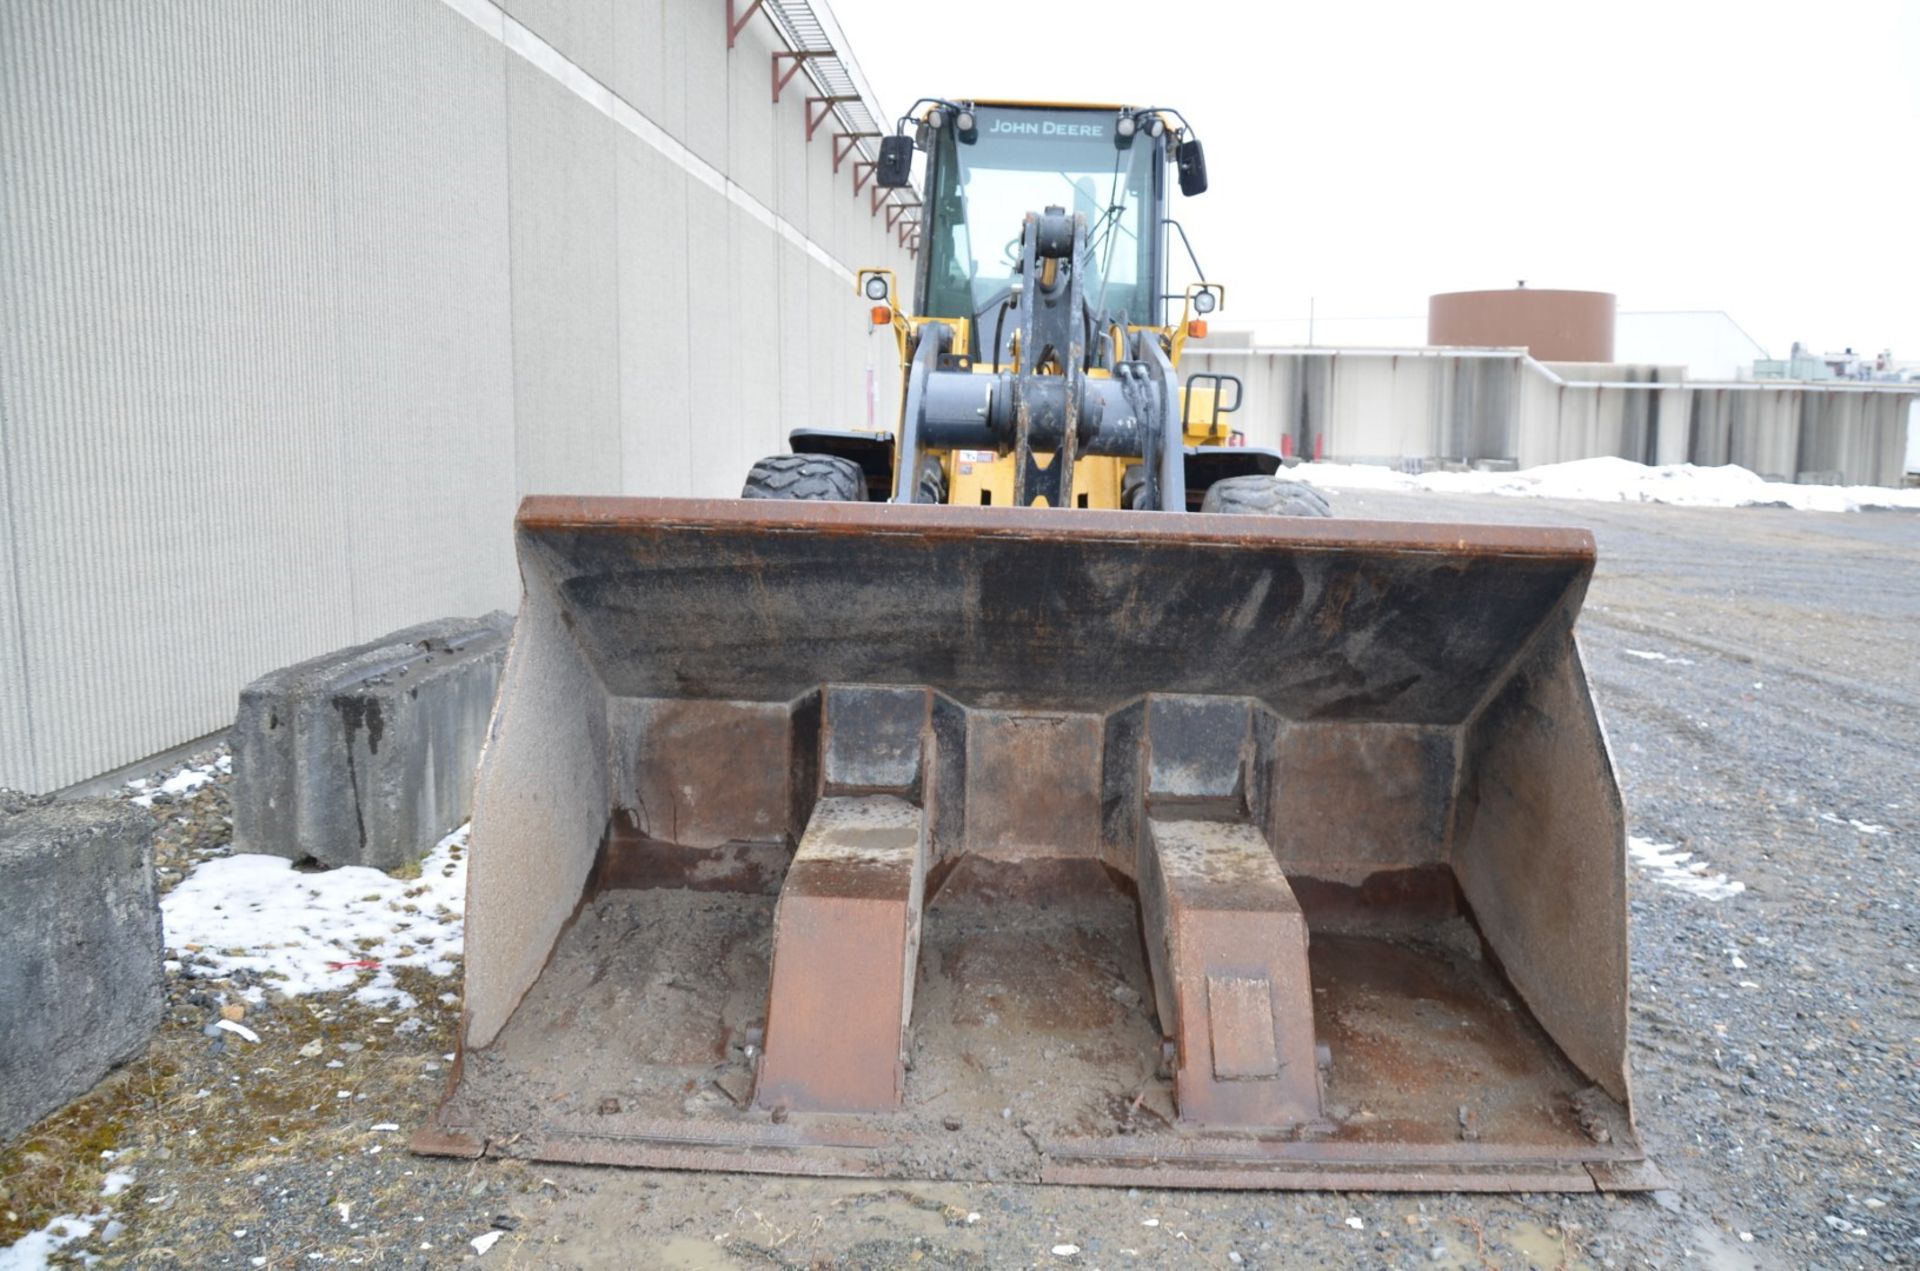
column 296, row 301
column 1419, row 406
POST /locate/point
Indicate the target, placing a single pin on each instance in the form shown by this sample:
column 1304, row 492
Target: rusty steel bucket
column 1087, row 847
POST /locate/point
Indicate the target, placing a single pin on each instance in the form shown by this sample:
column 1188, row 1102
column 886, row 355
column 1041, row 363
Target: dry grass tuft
column 200, row 1120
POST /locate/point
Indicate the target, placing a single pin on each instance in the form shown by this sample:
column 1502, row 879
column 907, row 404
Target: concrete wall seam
column 16, row 702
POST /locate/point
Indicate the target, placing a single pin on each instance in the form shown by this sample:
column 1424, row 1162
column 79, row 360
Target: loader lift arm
column 1047, row 403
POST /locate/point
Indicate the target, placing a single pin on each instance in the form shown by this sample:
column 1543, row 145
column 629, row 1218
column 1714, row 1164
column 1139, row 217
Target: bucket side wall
column 539, row 811
column 1539, row 848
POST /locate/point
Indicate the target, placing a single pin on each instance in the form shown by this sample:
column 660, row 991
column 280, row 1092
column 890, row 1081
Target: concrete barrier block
column 81, row 984
column 366, row 756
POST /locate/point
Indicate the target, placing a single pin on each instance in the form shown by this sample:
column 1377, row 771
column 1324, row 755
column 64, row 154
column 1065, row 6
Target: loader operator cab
column 989, row 164
column 982, row 181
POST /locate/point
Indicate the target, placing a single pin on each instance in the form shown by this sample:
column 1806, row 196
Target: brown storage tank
column 1555, row 326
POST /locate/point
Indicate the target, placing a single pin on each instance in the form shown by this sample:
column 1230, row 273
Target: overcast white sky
column 1762, row 159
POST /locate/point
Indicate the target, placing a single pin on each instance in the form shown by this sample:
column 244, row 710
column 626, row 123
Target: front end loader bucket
column 1088, row 847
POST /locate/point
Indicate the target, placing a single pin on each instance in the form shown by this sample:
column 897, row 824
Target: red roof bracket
column 738, row 23
column 799, row 59
column 860, row 178
column 843, row 144
column 826, row 105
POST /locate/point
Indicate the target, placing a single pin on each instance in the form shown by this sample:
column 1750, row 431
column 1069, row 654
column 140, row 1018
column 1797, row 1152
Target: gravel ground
column 1755, row 669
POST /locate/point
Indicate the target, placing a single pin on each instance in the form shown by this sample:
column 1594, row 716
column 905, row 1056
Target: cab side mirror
column 895, row 171
column 1192, row 161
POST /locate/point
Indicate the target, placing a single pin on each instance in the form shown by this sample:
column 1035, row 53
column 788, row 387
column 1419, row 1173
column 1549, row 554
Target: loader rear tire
column 818, row 477
column 1264, row 496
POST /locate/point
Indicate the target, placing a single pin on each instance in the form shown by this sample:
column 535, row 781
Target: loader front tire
column 818, row 477
column 1264, row 496
column 933, row 481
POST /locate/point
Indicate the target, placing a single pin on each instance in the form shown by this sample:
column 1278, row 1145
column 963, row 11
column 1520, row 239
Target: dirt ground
column 1756, row 670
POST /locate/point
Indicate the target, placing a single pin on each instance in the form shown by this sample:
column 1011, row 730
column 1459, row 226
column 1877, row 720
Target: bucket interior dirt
column 1021, row 843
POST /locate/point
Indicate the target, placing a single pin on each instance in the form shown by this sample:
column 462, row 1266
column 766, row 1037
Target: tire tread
column 1259, row 495
column 826, row 478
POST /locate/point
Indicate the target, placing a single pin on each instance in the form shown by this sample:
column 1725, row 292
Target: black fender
column 873, row 451
column 1208, row 464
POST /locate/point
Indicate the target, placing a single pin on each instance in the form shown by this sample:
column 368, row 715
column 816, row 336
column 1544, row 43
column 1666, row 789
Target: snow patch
column 186, row 781
column 35, row 1250
column 301, row 932
column 1651, row 656
column 237, row 1029
column 183, row 782
column 1864, row 827
column 1671, row 867
column 1610, row 480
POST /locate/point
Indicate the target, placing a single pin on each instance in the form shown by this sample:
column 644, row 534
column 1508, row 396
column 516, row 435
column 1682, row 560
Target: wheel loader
column 1045, row 788
column 1041, row 355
